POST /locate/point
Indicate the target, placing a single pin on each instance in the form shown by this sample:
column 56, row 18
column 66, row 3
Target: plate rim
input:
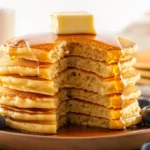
column 30, row 135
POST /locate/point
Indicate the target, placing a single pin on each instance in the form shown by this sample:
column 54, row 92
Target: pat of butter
column 72, row 23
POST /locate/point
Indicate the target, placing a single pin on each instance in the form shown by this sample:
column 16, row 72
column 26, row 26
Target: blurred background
column 129, row 18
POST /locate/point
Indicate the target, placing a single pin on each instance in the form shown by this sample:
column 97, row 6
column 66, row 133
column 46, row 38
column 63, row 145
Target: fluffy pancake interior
column 31, row 100
column 79, row 106
column 48, row 71
column 72, row 78
column 129, row 109
column 82, row 119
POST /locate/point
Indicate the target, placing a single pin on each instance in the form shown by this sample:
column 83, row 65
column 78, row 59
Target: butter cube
column 72, row 23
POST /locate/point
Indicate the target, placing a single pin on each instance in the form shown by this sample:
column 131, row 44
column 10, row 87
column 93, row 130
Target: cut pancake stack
column 143, row 66
column 69, row 79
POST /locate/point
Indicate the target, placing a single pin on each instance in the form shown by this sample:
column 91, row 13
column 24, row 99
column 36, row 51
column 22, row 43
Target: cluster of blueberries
column 146, row 146
column 2, row 122
column 144, row 103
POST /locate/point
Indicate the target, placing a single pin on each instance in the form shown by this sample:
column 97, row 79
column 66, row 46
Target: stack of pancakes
column 143, row 66
column 48, row 81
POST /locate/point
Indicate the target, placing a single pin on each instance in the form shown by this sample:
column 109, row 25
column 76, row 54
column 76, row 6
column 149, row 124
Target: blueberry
column 2, row 122
column 146, row 115
column 144, row 101
column 146, row 146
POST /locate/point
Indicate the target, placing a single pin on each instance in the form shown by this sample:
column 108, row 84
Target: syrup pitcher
column 7, row 24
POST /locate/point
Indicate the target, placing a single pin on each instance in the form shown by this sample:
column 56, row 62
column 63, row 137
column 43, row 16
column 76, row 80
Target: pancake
column 71, row 78
column 143, row 59
column 109, row 101
column 75, row 119
column 16, row 98
column 31, row 100
column 144, row 73
column 144, row 81
column 128, row 109
column 49, row 47
column 24, row 67
column 36, row 127
column 102, row 122
column 81, row 119
column 51, row 115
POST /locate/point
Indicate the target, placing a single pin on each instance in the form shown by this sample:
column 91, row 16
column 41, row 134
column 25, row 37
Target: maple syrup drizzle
column 114, row 41
column 122, row 95
column 49, row 37
column 13, row 57
column 36, row 39
column 109, row 39
column 32, row 39
column 35, row 58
